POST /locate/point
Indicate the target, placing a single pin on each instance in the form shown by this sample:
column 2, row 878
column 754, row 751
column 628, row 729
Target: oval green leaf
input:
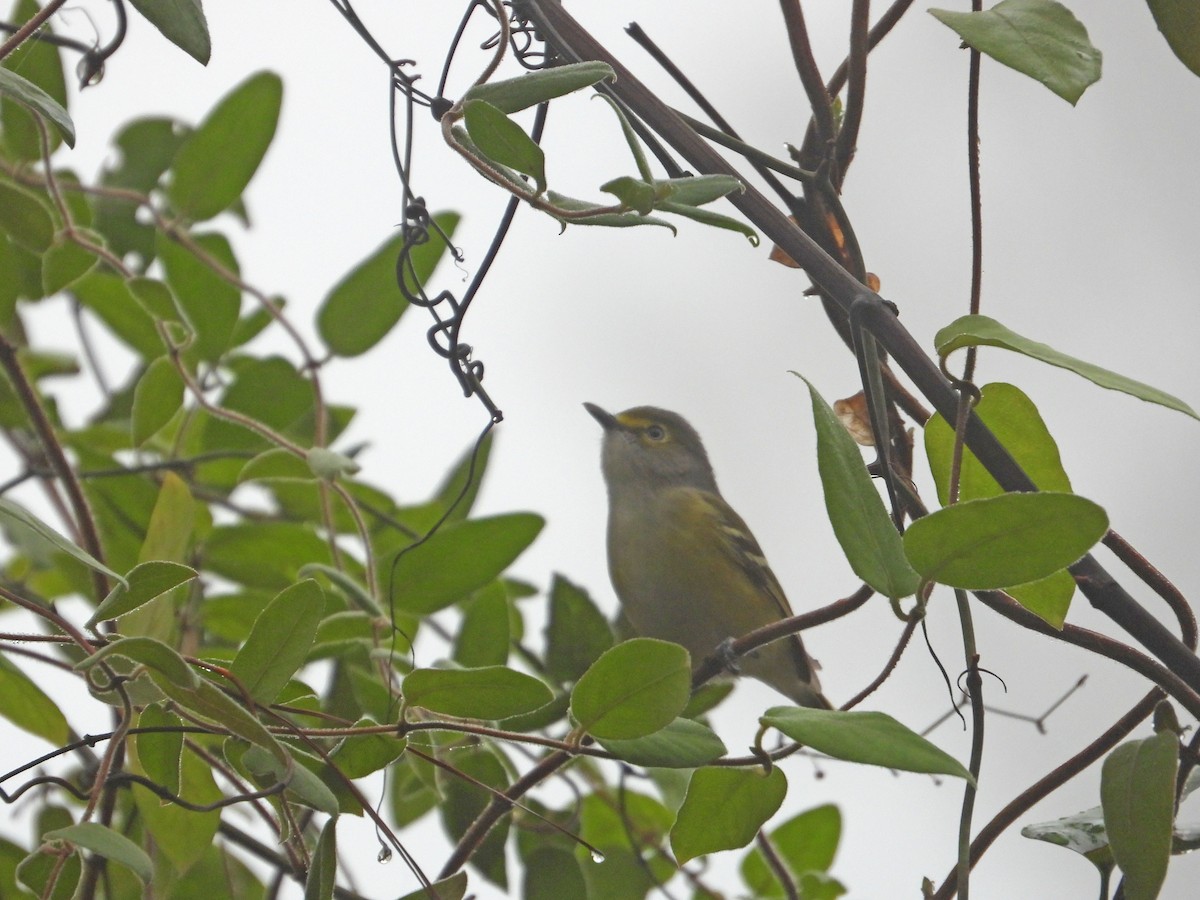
column 217, row 160
column 460, row 558
column 279, row 642
column 490, row 692
column 504, row 141
column 1137, row 794
column 1038, row 38
column 1016, row 422
column 103, row 841
column 971, row 331
column 146, row 581
column 24, row 704
column 873, row 738
column 157, row 397
column 576, row 633
column 683, row 744
column 362, row 308
column 724, row 809
column 633, row 689
column 1002, row 541
column 859, row 519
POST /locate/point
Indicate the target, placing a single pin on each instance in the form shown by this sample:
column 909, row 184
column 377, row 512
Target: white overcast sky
column 1090, row 240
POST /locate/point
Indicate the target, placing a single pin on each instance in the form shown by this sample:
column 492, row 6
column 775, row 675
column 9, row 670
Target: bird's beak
column 606, row 419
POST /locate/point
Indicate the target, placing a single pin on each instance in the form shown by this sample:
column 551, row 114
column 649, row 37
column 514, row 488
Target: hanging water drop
column 597, row 856
column 385, row 855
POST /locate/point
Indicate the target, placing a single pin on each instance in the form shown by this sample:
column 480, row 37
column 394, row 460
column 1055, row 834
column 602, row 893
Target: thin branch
column 26, row 31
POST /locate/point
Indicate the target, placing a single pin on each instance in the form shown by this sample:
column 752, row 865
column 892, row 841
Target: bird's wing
column 738, row 542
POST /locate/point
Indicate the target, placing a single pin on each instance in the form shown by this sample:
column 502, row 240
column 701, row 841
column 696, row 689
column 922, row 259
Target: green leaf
column 208, row 702
column 182, row 23
column 25, row 218
column 553, row 874
column 265, row 555
column 492, row 692
column 148, row 652
column 303, row 784
column 12, row 512
column 724, row 809
column 860, row 521
column 460, row 558
column 452, row 888
column 24, row 704
column 465, row 800
column 1015, row 421
column 683, row 744
column 359, row 755
column 145, row 582
column 32, row 97
column 515, row 94
column 633, row 689
column 279, row 642
column 969, row 331
column 362, row 308
column 873, row 738
column 103, row 841
column 576, row 633
column 710, row 218
column 160, row 753
column 806, row 843
column 1179, row 22
column 182, row 835
column 1137, row 793
column 1001, row 541
column 156, row 399
column 1048, row 598
column 66, row 262
column 211, row 303
column 217, row 160
column 110, row 298
column 504, row 141
column 322, row 873
column 1038, row 38
column 484, row 635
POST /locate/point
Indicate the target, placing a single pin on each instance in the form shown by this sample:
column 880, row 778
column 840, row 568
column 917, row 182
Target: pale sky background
column 1091, row 240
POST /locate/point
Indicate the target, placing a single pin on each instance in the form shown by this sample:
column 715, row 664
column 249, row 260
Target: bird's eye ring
column 656, row 432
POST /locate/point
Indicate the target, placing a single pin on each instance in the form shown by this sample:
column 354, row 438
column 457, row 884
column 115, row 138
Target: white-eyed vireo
column 684, row 565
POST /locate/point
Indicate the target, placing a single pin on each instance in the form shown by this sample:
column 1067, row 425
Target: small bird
column 684, row 565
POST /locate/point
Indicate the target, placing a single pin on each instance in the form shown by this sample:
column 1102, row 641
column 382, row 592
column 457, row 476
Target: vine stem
column 84, row 521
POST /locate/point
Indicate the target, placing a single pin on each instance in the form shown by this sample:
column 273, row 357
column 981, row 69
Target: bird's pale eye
column 656, row 433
